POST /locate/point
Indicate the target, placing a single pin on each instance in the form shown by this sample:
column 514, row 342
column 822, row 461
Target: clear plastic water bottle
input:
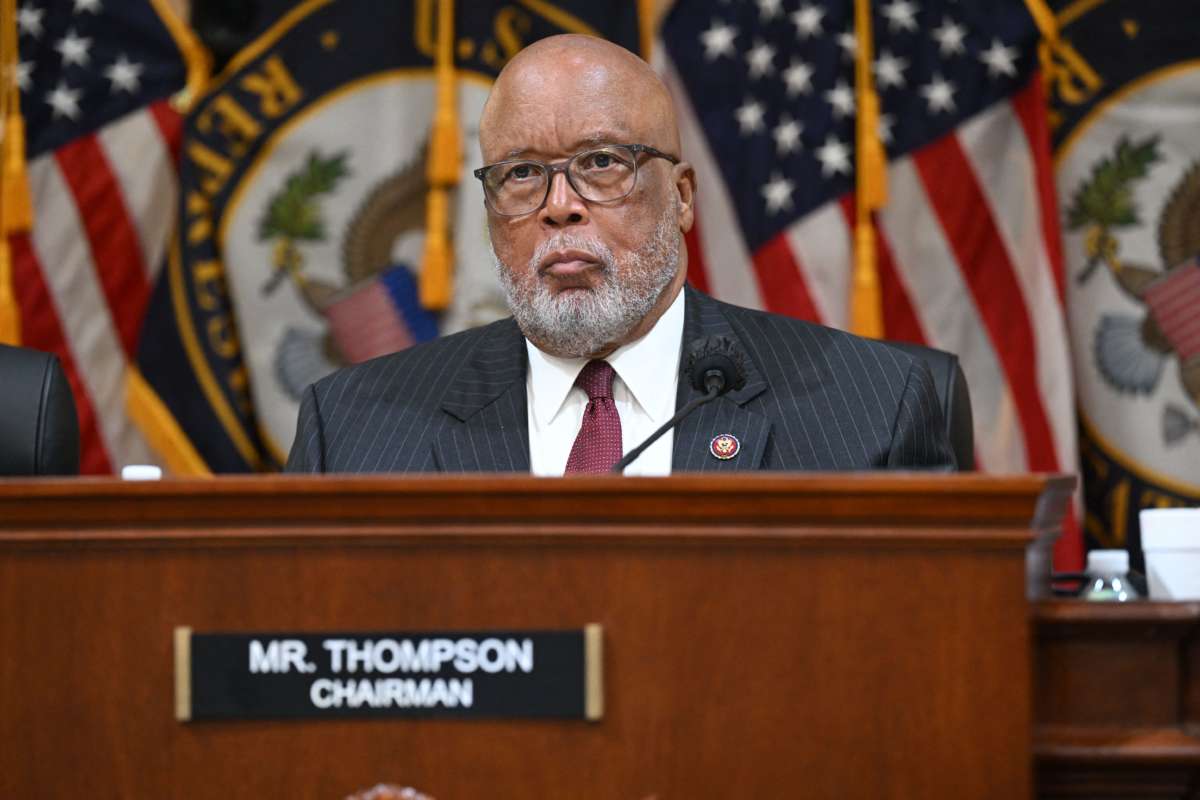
column 1108, row 577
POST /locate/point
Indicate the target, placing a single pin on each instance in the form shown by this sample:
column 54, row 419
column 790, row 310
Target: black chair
column 39, row 430
column 955, row 398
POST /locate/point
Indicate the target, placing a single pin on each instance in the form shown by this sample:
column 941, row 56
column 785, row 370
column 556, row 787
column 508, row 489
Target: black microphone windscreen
column 719, row 353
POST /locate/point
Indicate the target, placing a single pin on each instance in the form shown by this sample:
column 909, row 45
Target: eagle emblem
column 1132, row 351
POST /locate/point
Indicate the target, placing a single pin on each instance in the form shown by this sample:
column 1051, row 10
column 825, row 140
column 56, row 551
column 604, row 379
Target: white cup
column 1171, row 542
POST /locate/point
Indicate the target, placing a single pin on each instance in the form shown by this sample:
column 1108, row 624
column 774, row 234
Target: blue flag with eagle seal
column 302, row 210
column 1125, row 94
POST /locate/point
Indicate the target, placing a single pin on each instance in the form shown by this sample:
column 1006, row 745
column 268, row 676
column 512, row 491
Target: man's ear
column 685, row 185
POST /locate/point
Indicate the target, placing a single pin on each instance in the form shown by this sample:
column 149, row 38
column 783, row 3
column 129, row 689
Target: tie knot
column 596, row 379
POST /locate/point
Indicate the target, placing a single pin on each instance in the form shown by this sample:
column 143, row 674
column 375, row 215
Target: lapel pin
column 724, row 447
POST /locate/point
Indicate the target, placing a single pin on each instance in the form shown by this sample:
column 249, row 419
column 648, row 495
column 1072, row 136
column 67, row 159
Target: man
column 588, row 199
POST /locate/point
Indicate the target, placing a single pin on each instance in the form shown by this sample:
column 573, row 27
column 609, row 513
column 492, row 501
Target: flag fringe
column 195, row 55
column 443, row 168
column 16, row 209
column 866, row 302
column 160, row 428
column 10, row 312
column 646, row 19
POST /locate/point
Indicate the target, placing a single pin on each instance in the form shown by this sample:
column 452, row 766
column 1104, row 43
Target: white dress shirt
column 643, row 391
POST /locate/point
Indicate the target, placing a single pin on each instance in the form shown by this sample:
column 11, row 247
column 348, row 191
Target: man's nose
column 563, row 204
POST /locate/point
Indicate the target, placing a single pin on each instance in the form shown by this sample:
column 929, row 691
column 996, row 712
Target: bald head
column 570, row 83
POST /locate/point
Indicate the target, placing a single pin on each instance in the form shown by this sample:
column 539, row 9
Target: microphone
column 714, row 365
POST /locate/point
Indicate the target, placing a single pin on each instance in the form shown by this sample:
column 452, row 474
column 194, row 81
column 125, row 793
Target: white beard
column 576, row 324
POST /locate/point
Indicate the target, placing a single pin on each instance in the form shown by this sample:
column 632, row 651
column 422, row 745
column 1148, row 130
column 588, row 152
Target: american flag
column 95, row 77
column 969, row 256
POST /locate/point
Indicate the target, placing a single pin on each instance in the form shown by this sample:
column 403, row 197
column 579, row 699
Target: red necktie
column 598, row 445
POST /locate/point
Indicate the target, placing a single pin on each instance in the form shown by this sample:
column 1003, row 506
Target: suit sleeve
column 919, row 438
column 308, row 448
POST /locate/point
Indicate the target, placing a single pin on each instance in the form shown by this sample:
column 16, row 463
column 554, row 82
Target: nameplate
column 427, row 674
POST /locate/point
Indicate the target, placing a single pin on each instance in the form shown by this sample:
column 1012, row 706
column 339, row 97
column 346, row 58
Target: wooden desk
column 856, row 636
column 1117, row 692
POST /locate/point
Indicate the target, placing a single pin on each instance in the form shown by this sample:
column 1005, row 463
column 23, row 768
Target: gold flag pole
column 16, row 209
column 442, row 170
column 866, row 301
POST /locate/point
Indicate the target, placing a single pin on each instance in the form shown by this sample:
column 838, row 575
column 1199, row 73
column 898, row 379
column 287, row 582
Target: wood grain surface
column 798, row 636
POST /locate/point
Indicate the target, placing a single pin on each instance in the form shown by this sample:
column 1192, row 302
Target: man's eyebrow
column 591, row 140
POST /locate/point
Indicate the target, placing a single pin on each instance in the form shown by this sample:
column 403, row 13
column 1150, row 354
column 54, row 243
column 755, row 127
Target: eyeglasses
column 601, row 175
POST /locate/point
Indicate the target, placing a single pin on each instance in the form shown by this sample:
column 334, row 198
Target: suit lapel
column 489, row 431
column 725, row 415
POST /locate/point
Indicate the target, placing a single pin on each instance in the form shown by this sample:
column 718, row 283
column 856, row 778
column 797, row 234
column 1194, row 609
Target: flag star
column 841, row 97
column 849, row 44
column 834, row 157
column 91, row 6
column 939, row 94
column 778, row 193
column 750, row 116
column 901, row 15
column 74, row 49
column 769, row 9
column 808, row 20
column 718, row 41
column 889, row 70
column 29, row 20
column 25, row 75
column 1000, row 60
column 886, row 123
column 760, row 58
column 787, row 135
column 950, row 37
column 124, row 75
column 64, row 101
column 798, row 77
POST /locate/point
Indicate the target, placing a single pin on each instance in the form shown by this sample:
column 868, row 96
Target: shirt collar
column 649, row 368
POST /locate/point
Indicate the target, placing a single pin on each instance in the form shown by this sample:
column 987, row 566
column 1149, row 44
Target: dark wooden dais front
column 824, row 636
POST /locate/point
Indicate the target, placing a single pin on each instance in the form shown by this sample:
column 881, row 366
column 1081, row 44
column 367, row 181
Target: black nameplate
column 460, row 674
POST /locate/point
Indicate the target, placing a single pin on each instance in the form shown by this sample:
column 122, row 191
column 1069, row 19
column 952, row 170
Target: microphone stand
column 714, row 391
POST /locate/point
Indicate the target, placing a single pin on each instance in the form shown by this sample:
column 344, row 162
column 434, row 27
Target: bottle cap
column 1107, row 562
column 141, row 472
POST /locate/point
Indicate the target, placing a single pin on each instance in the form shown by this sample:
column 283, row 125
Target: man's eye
column 520, row 172
column 601, row 160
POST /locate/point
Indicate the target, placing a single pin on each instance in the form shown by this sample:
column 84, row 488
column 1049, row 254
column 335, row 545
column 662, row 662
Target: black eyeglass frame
column 564, row 167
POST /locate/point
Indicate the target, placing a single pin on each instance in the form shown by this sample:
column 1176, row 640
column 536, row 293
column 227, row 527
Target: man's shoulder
column 420, row 370
column 791, row 340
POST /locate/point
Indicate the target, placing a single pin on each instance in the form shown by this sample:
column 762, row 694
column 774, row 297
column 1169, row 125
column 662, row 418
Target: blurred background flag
column 1125, row 89
column 962, row 238
column 94, row 78
column 327, row 213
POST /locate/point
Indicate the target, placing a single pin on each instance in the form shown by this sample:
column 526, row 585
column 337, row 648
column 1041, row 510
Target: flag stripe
column 821, row 241
column 1009, row 186
column 1029, row 104
column 697, row 269
column 144, row 174
column 926, row 266
column 781, row 282
column 80, row 302
column 40, row 328
column 115, row 247
column 900, row 319
column 170, row 125
column 979, row 250
column 730, row 275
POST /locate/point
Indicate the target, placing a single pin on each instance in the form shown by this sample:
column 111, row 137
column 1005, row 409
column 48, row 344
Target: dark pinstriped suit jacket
column 814, row 399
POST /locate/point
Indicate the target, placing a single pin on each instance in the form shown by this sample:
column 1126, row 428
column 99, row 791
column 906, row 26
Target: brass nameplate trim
column 462, row 674
column 183, row 673
column 593, row 650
